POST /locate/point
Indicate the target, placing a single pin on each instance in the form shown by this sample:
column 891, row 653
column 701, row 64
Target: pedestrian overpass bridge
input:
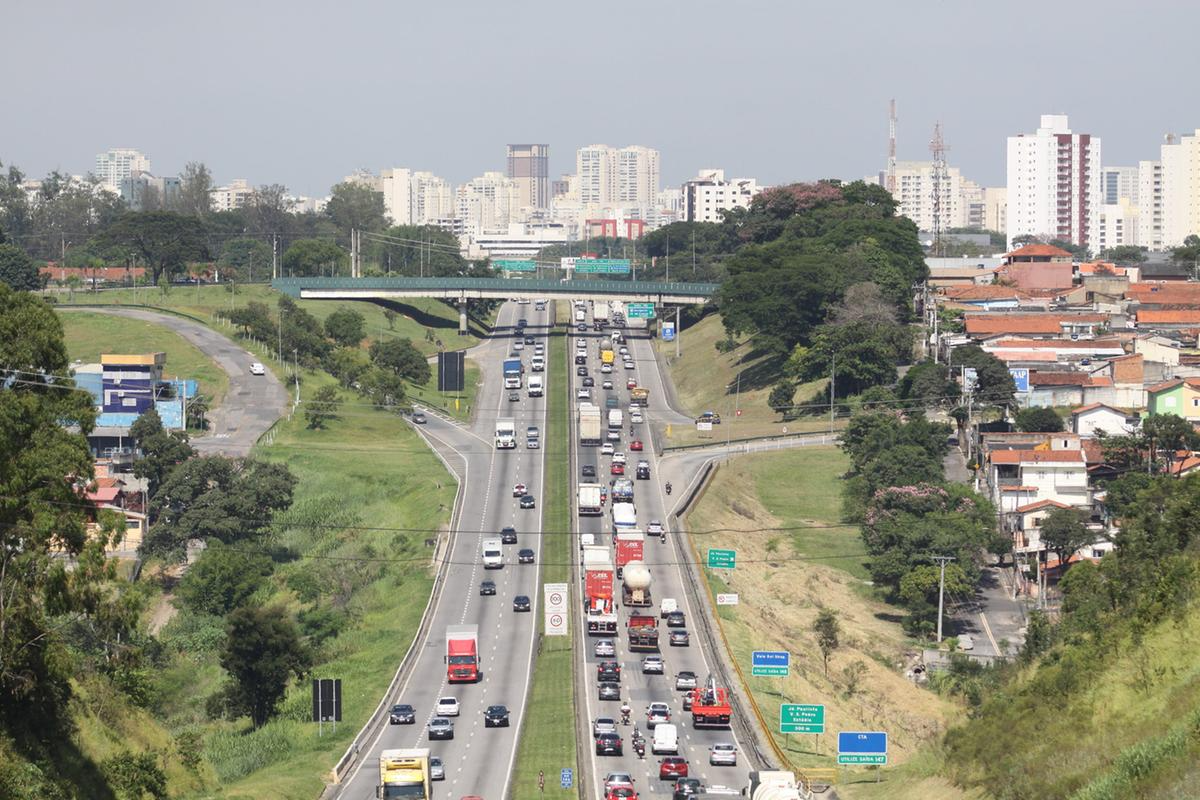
column 459, row 290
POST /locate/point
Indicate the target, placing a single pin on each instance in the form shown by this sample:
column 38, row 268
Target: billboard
column 451, row 371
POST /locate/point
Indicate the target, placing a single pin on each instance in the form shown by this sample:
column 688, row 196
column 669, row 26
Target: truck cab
column 462, row 653
column 404, row 774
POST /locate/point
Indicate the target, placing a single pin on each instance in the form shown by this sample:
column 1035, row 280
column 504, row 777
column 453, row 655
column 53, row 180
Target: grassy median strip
column 548, row 734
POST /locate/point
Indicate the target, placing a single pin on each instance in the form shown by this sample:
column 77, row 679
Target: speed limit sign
column 556, row 623
column 556, row 597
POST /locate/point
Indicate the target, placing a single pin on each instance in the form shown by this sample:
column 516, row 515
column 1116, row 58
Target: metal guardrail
column 293, row 286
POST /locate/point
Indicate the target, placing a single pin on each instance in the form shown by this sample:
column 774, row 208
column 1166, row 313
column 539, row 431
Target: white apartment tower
column 626, row 177
column 488, row 203
column 119, row 164
column 1054, row 187
column 637, row 176
column 1117, row 183
column 708, row 196
column 1150, row 205
column 1180, row 162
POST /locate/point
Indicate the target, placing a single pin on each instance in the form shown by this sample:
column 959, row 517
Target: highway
column 478, row 761
column 668, row 581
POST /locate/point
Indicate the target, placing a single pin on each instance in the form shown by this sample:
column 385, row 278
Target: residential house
column 112, row 494
column 1025, row 524
column 1045, row 325
column 1018, row 477
column 1049, row 388
column 1037, row 266
column 1099, row 417
column 1180, row 396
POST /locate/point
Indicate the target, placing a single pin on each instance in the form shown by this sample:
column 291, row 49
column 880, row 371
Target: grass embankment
column 548, row 732
column 454, row 404
column 707, row 380
column 369, row 494
column 418, row 318
column 88, row 335
column 783, row 578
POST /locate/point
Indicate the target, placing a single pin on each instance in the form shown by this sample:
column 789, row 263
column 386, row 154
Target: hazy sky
column 303, row 92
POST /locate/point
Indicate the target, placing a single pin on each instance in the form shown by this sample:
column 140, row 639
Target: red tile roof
column 1171, row 384
column 1168, row 316
column 1036, row 456
column 1038, row 378
column 1039, row 505
column 1061, row 344
column 983, row 323
column 984, row 292
column 1038, row 250
column 105, row 494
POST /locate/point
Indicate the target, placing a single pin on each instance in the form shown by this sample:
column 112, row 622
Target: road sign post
column 567, row 778
column 721, row 559
column 770, row 663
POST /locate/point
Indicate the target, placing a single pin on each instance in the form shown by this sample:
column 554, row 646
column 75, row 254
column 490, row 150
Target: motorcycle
column 639, row 747
column 662, row 537
column 668, row 488
column 624, row 717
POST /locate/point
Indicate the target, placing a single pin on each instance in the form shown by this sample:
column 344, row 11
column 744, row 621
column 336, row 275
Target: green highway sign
column 721, row 559
column 515, row 265
column 863, row 758
column 801, row 718
column 639, row 310
column 606, row 265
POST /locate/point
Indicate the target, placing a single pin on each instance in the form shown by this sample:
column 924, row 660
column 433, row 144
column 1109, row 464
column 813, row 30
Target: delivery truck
column 536, row 385
column 512, row 373
column 506, row 433
column 630, row 547
column 589, row 502
column 462, row 653
column 404, row 775
column 599, row 595
column 589, row 425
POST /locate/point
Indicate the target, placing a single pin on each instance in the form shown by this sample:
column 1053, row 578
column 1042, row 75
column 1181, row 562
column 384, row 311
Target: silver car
column 437, row 772
column 605, row 648
column 652, row 665
column 685, row 680
column 723, row 754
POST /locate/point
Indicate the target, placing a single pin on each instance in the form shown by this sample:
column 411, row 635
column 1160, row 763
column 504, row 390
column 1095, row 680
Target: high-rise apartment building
column 595, row 165
column 529, row 167
column 1180, row 162
column 1054, row 187
column 707, row 196
column 916, row 190
column 1118, row 225
column 625, row 177
column 995, row 208
column 1117, row 183
column 232, row 196
column 118, row 164
column 488, row 203
column 1150, row 205
column 409, row 198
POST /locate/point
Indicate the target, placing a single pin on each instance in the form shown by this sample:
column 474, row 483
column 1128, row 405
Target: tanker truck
column 776, row 785
column 636, row 590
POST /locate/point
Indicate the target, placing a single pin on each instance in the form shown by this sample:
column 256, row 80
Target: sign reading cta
column 862, row 747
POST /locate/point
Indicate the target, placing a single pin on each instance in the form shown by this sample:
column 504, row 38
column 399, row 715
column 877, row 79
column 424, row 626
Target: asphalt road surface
column 251, row 405
column 667, row 576
column 478, row 760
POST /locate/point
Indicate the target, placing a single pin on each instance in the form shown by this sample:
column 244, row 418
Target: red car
column 673, row 767
column 636, row 444
column 617, row 468
column 519, row 489
column 631, row 383
column 621, row 793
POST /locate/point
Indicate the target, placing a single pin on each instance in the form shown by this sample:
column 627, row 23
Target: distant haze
column 303, row 93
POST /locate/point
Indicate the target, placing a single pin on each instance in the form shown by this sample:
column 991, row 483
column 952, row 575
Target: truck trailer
column 643, row 633
column 589, row 425
column 462, row 653
column 589, row 500
column 600, row 610
column 404, row 775
column 512, row 373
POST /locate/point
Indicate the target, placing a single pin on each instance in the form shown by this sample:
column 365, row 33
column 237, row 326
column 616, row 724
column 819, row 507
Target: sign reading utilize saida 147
column 862, row 747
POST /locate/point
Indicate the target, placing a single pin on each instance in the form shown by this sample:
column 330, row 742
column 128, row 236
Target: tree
column 827, row 629
column 418, row 250
column 161, row 450
column 919, row 591
column 164, row 240
column 347, row 364
column 345, row 326
column 262, row 652
column 384, row 387
column 255, row 320
column 356, row 206
column 1187, row 253
column 927, row 385
column 390, row 315
column 994, row 383
column 268, row 210
column 1125, row 255
column 401, row 357
column 247, row 256
column 302, row 332
column 222, row 579
column 1039, row 420
column 307, row 257
column 322, row 408
column 195, row 189
column 17, row 269
column 1165, row 434
column 1063, row 532
column 197, row 411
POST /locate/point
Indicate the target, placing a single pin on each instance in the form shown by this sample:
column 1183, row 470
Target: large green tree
column 161, row 450
column 1039, row 420
column 195, row 189
column 354, row 206
column 262, row 653
column 401, row 357
column 250, row 257
column 224, row 578
column 17, row 269
column 1064, row 531
column 994, row 383
column 322, row 407
column 418, row 250
column 163, row 240
column 309, row 257
column 346, row 327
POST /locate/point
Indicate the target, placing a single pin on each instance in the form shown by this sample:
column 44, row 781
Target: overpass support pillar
column 462, row 317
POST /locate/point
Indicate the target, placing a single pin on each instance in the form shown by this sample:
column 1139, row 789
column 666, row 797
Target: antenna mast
column 891, row 162
column 940, row 178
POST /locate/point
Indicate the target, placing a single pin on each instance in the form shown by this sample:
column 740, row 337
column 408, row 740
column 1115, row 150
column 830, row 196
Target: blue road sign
column 862, row 747
column 568, row 778
column 1020, row 378
column 668, row 331
column 770, row 662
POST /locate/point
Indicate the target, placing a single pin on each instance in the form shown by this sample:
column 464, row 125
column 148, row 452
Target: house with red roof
column 1020, row 476
column 1179, row 396
column 983, row 325
column 1037, row 266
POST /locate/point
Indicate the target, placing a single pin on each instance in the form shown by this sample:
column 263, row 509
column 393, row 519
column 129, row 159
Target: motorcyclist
column 668, row 487
column 625, row 712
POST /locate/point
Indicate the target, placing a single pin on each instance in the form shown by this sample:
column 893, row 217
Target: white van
column 667, row 605
column 666, row 739
column 493, row 554
column 538, row 364
column 535, row 386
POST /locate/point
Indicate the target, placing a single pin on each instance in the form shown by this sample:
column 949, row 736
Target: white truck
column 776, row 785
column 536, row 385
column 589, row 425
column 624, row 517
column 493, row 554
column 616, row 419
column 600, row 313
column 506, row 434
column 589, row 500
column 580, row 314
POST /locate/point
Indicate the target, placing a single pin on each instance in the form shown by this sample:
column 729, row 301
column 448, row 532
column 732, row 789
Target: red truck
column 643, row 632
column 710, row 706
column 601, row 612
column 630, row 547
column 462, row 653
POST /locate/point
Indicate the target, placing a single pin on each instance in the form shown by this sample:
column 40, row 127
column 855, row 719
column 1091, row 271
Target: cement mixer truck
column 776, row 785
column 636, row 590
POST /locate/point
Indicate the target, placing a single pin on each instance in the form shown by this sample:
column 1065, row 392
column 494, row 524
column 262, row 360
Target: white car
column 583, row 394
column 628, row 365
column 257, row 369
column 652, row 665
column 603, row 725
column 966, row 642
column 518, row 346
column 654, row 528
column 685, row 680
column 606, row 449
column 619, row 458
column 656, row 713
column 605, row 648
column 607, row 383
column 447, row 707
column 437, row 770
column 722, row 754
column 623, row 350
column 606, row 368
column 635, row 418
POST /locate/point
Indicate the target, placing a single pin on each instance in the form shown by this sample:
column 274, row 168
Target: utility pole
column 296, row 374
column 832, row 382
column 941, row 591
column 274, row 256
column 677, row 332
column 668, row 258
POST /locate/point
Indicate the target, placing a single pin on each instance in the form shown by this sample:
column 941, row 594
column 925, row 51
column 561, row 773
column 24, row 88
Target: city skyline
column 779, row 113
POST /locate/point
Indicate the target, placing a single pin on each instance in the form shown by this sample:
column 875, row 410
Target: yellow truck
column 607, row 356
column 639, row 396
column 404, row 774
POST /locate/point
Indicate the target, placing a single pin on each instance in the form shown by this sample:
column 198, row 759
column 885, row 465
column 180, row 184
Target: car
column 508, row 535
column 685, row 680
column 628, row 365
column 588, row 470
column 643, row 471
column 514, row 397
column 581, row 370
column 611, row 402
column 606, row 368
column 583, row 394
column 518, row 346
column 620, row 458
column 522, row 322
column 441, row 728
column 607, row 384
column 487, row 589
column 654, row 527
column 603, row 725
column 631, row 383
column 606, row 449
column 966, row 641
column 623, row 350
column 437, row 770
column 257, row 369
column 539, row 349
column 528, row 501
column 402, row 714
column 621, row 793
column 532, row 443
column 614, row 436
column 447, row 707
column 687, row 702
column 581, row 327
column 614, row 779
column 525, row 555
column 676, row 619
column 635, row 417
column 673, row 767
column 521, row 603
column 652, row 665
column 656, row 713
column 608, row 671
column 539, row 305
column 617, row 468
column 495, row 717
column 529, row 340
column 418, row 418
column 686, row 787
column 709, row 416
column 604, row 648
column 609, row 744
column 610, row 691
column 679, row 638
column 636, row 444
column 519, row 489
column 588, row 380
column 723, row 754
column 581, row 358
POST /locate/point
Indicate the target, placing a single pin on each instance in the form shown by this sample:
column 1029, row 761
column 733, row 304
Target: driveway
column 253, row 402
